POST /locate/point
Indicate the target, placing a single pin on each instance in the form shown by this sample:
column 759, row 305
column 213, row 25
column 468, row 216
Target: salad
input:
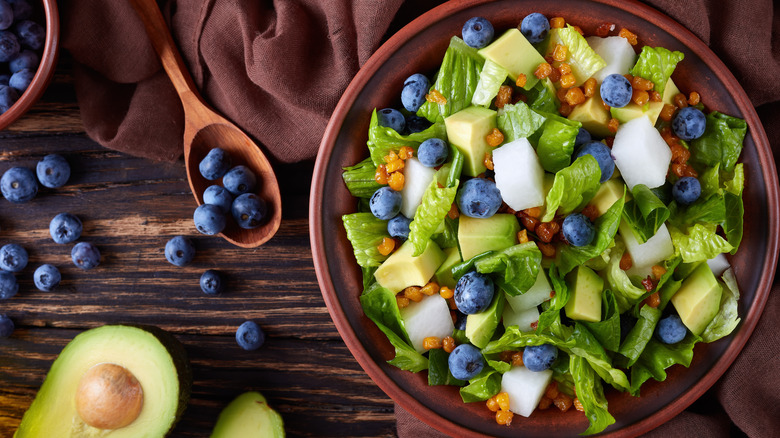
column 546, row 216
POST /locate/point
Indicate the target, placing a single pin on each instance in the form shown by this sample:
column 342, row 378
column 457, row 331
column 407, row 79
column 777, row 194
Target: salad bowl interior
column 419, row 47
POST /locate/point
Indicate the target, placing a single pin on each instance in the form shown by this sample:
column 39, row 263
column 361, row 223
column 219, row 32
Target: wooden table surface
column 130, row 207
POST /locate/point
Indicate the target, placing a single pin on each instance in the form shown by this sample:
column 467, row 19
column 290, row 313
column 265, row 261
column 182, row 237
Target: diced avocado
column 495, row 233
column 112, row 381
column 513, row 52
column 593, row 116
column 585, row 301
column 481, row 326
column 631, row 111
column 248, row 416
column 698, row 299
column 609, row 192
column 670, row 90
column 443, row 275
column 402, row 269
column 467, row 130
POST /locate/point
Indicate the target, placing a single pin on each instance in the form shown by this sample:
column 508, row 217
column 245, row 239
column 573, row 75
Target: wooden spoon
column 204, row 129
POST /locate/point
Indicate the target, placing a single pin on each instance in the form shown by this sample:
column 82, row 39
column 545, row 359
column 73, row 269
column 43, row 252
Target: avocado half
column 249, row 416
column 151, row 360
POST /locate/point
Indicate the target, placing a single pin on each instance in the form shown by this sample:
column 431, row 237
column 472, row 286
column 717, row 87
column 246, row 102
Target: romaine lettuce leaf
column 699, row 242
column 447, row 237
column 439, row 369
column 456, row 167
column 552, row 308
column 583, row 60
column 626, row 293
column 727, row 318
column 490, row 80
column 721, row 142
column 485, row 385
column 657, row 357
column 645, row 213
column 590, row 393
column 656, row 64
column 359, row 179
column 406, row 357
column 555, row 141
column 710, row 182
column 573, row 187
column 382, row 140
column 518, row 121
column 519, row 264
column 542, row 97
column 734, row 217
column 711, row 210
column 365, row 232
column 436, row 203
column 636, row 340
column 607, row 331
column 736, row 183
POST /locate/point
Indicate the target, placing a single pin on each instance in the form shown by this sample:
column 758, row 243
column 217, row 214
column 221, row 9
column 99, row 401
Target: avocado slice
column 513, row 52
column 481, row 326
column 402, row 269
column 631, row 111
column 129, row 357
column 443, row 275
column 698, row 299
column 593, row 116
column 249, row 416
column 467, row 130
column 477, row 235
column 585, row 301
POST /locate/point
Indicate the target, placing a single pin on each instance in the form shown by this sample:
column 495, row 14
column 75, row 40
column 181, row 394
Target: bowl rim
column 45, row 70
column 347, row 332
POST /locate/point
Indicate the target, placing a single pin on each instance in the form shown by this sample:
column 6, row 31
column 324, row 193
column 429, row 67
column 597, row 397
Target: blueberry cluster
column 21, row 43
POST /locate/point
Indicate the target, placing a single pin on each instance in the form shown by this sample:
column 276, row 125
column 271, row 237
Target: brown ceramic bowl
column 46, row 15
column 419, row 47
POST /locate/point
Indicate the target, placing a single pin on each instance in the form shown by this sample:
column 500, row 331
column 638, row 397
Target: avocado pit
column 109, row 397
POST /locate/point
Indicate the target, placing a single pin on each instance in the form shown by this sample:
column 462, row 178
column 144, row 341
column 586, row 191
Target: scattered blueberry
column 391, row 118
column 31, row 34
column 25, row 59
column 416, row 124
column 9, row 46
column 474, row 292
column 460, row 320
column 385, row 203
column 686, row 190
column 219, row 196
column 603, row 156
column 465, row 362
column 239, row 180
column 179, row 251
column 53, row 171
column 8, row 96
column 6, row 15
column 250, row 336
column 671, row 330
column 398, row 227
column 583, row 136
column 211, row 282
column 22, row 9
column 578, row 229
column 616, row 90
column 18, row 184
column 479, row 198
column 13, row 258
column 433, row 152
column 477, row 32
column 413, row 94
column 8, row 286
column 215, row 164
column 689, row 123
column 209, row 219
column 249, row 211
column 85, row 255
column 6, row 326
column 47, row 277
column 535, row 27
column 539, row 357
column 65, row 228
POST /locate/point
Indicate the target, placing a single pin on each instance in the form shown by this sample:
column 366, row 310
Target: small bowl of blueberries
column 29, row 45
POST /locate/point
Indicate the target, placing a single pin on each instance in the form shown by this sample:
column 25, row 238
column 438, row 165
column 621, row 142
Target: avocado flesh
column 154, row 357
column 402, row 269
column 631, row 111
column 467, row 130
column 248, row 416
column 513, row 52
column 481, row 326
column 593, row 116
column 443, row 275
column 585, row 301
column 698, row 299
column 477, row 235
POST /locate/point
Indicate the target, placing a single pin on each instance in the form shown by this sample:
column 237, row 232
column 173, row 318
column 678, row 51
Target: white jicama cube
column 718, row 264
column 537, row 294
column 429, row 317
column 525, row 388
column 522, row 319
column 641, row 154
column 656, row 249
column 519, row 175
column 616, row 51
column 417, row 178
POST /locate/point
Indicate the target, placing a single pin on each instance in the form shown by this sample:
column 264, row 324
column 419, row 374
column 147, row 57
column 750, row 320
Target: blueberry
column 479, row 198
column 6, row 326
column 671, row 330
column 686, row 190
column 211, row 282
column 460, row 320
column 539, row 357
column 6, row 15
column 477, row 32
column 391, row 118
column 535, row 27
column 249, row 211
column 179, row 251
column 8, row 286
column 13, row 258
column 25, row 59
column 4, row 79
column 416, row 124
column 578, row 229
column 31, row 34
column 583, row 136
column 474, row 292
column 8, row 96
column 21, row 80
column 22, row 9
column 219, row 196
column 398, row 227
column 209, row 219
column 85, row 255
column 616, row 90
column 465, row 362
column 385, row 203
column 603, row 156
column 413, row 94
column 689, row 123
column 250, row 336
column 9, row 46
column 53, row 171
column 215, row 164
column 433, row 152
column 47, row 277
column 239, row 180
column 65, row 228
column 18, row 184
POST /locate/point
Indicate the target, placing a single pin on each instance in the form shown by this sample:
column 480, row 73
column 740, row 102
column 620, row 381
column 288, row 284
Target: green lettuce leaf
column 360, row 179
column 721, row 142
column 490, row 80
column 639, row 335
column 465, row 266
column 727, row 318
column 436, row 203
column 707, row 211
column 552, row 308
column 365, row 232
column 439, row 369
column 583, row 60
column 710, row 182
column 645, row 213
column 485, row 385
column 736, row 183
column 542, row 98
column 406, row 357
column 656, row 64
column 555, row 141
column 657, row 357
column 519, row 264
column 447, row 237
column 626, row 292
column 382, row 140
column 518, row 121
column 607, row 331
column 590, row 393
column 456, row 167
column 573, row 187
column 734, row 217
column 699, row 242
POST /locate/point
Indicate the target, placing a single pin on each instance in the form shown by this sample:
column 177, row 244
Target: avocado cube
column 631, row 111
column 481, row 326
column 670, row 90
column 443, row 275
column 698, row 299
column 467, row 130
column 608, row 193
column 593, row 116
column 585, row 301
column 513, row 52
column 402, row 269
column 495, row 233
